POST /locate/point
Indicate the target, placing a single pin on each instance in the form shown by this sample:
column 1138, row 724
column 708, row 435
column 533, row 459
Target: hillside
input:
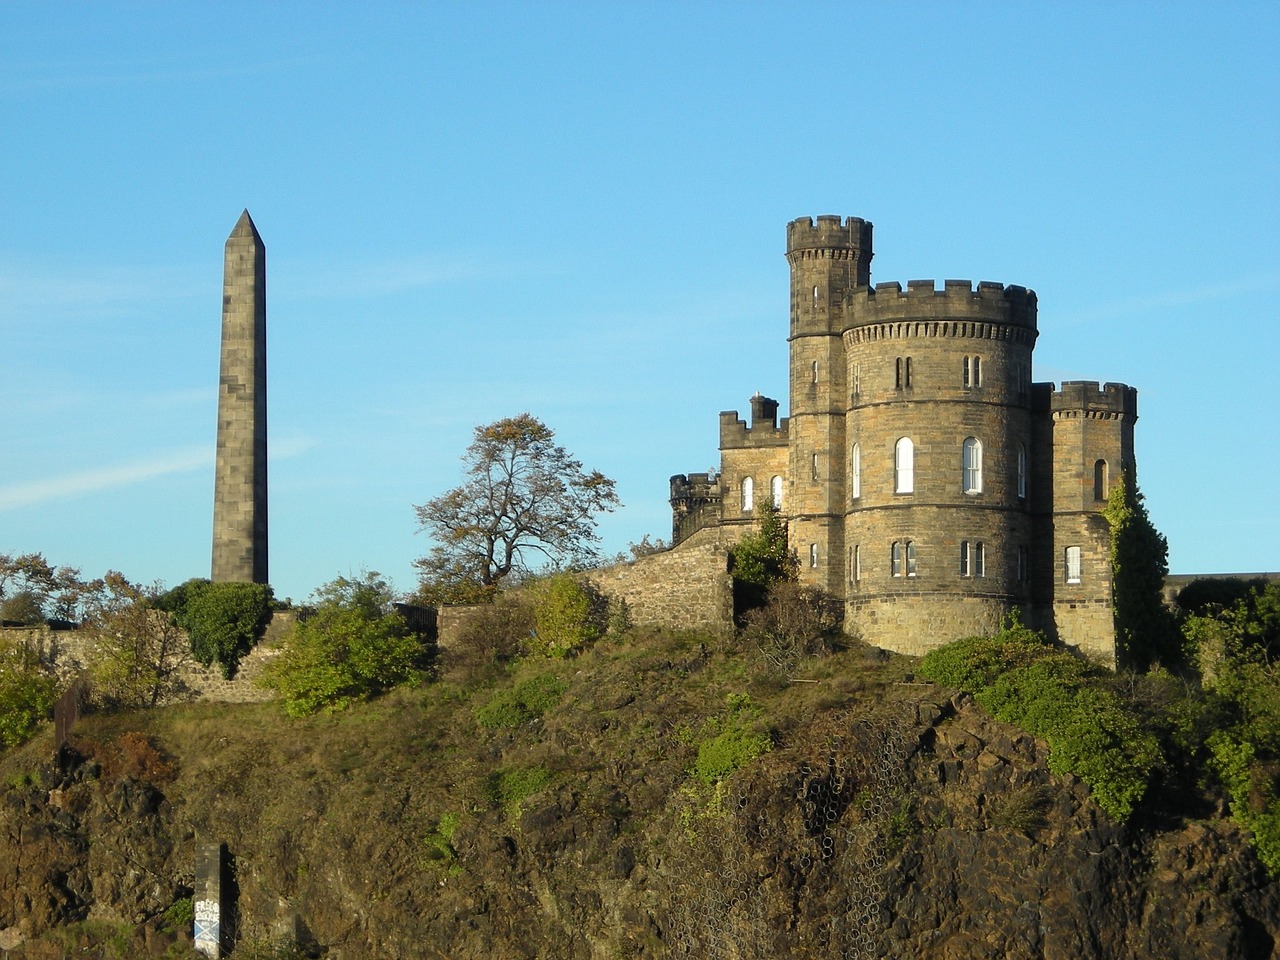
column 891, row 818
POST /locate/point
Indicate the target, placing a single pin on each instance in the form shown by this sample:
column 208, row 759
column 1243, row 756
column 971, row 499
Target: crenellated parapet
column 829, row 238
column 695, row 504
column 764, row 430
column 1087, row 399
column 991, row 311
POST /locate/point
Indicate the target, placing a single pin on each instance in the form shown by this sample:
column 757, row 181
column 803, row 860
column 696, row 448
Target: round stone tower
column 938, row 459
column 829, row 261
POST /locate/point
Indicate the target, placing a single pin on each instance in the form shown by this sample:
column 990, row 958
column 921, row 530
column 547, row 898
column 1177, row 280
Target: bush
column 352, row 648
column 27, row 692
column 23, row 608
column 1022, row 679
column 524, row 702
column 223, row 620
column 796, row 622
column 493, row 635
column 568, row 615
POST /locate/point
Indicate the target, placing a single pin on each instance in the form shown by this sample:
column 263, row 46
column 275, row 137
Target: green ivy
column 223, row 620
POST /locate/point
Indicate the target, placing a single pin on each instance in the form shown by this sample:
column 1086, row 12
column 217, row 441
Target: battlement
column 1087, row 398
column 829, row 232
column 695, row 486
column 762, row 432
column 958, row 300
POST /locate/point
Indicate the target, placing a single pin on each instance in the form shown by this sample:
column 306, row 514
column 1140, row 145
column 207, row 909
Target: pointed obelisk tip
column 245, row 228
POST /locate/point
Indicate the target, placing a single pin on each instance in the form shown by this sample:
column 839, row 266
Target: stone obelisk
column 240, row 474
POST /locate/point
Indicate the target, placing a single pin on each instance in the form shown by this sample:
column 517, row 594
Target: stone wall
column 68, row 652
column 685, row 588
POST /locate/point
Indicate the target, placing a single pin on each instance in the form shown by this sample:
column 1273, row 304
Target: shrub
column 796, row 622
column 223, row 620
column 353, row 647
column 524, row 702
column 27, row 692
column 494, row 634
column 23, row 608
column 1022, row 679
column 568, row 614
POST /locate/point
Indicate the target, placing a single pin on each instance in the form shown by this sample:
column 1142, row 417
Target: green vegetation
column 526, row 701
column 568, row 615
column 732, row 741
column 525, row 500
column 353, row 647
column 137, row 650
column 223, row 620
column 438, row 843
column 762, row 557
column 510, row 787
column 27, row 692
column 1146, row 632
column 1022, row 679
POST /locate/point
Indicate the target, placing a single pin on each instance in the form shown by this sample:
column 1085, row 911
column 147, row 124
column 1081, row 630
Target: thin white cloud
column 90, row 292
column 81, row 483
column 36, row 492
column 1170, row 299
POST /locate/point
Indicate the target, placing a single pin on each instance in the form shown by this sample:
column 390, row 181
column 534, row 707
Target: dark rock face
column 908, row 828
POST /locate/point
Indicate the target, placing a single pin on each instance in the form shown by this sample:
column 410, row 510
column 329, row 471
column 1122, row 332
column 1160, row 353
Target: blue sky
column 474, row 209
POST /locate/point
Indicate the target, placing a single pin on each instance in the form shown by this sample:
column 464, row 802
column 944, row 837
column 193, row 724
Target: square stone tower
column 240, row 473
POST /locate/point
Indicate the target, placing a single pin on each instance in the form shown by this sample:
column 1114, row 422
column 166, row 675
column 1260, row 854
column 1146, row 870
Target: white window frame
column 966, row 569
column 904, row 466
column 911, row 558
column 895, row 559
column 813, row 556
column 979, row 559
column 855, row 472
column 748, row 495
column 971, row 465
column 775, row 492
column 1072, row 562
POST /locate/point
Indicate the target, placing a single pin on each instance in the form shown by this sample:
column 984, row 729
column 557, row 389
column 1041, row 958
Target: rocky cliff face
column 891, row 819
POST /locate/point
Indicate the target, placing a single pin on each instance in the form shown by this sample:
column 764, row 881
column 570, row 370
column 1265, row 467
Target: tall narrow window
column 977, row 371
column 815, row 371
column 966, row 559
column 911, row 558
column 815, row 294
column 1022, row 471
column 748, row 495
column 775, row 491
column 1022, row 564
column 857, row 562
column 907, row 379
column 1072, row 564
column 855, row 472
column 979, row 559
column 1100, row 480
column 895, row 559
column 897, row 374
column 971, row 465
column 857, row 380
column 904, row 468
column 814, row 466
column 813, row 555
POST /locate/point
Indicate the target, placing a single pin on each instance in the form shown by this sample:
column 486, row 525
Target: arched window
column 855, row 472
column 813, row 555
column 895, row 559
column 971, row 461
column 979, row 559
column 748, row 495
column 1100, row 480
column 814, row 466
column 904, row 469
column 775, row 491
column 855, row 562
column 1022, row 471
column 815, row 371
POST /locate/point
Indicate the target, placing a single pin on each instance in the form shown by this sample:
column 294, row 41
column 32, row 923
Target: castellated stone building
column 926, row 480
